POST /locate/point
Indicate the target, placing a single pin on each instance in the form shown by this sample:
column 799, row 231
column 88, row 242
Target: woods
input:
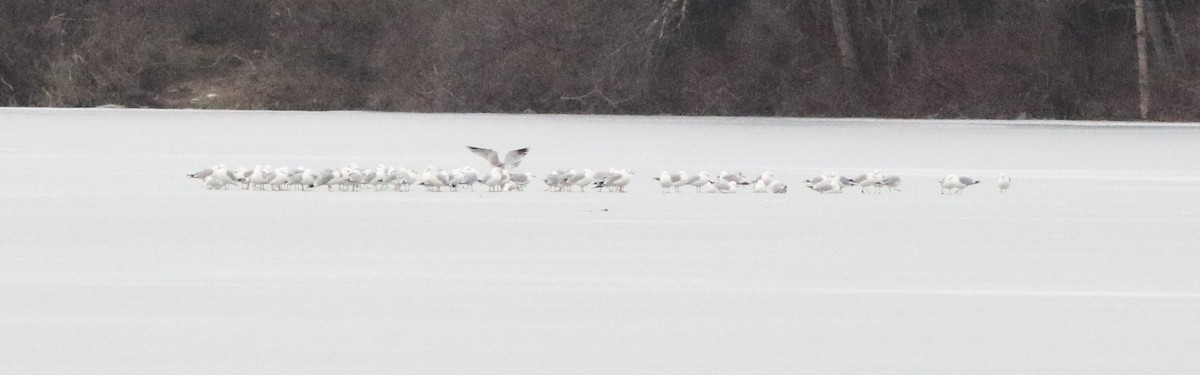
column 1064, row 59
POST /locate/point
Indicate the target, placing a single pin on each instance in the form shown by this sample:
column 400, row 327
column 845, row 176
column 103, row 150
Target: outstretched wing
column 489, row 154
column 513, row 159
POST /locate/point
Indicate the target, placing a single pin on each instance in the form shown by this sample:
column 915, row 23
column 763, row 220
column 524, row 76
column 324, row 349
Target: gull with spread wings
column 511, row 160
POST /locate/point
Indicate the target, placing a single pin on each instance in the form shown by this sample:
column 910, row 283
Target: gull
column 469, row 178
column 511, row 160
column 519, row 180
column 571, row 178
column 553, row 180
column 1004, row 182
column 258, row 178
column 242, row 175
column 456, row 177
column 679, row 179
column 306, row 178
column 404, row 179
column 431, row 178
column 736, row 178
column 495, row 179
column 378, row 177
column 707, row 187
column 600, row 176
column 586, row 178
column 212, row 183
column 221, row 176
column 278, row 178
column 766, row 177
column 325, row 179
column 761, row 186
column 664, row 181
column 294, row 177
column 830, row 183
column 700, row 180
column 867, row 180
column 617, row 180
column 828, row 178
column 956, row 184
column 892, row 182
column 203, row 173
column 356, row 178
column 777, row 187
column 725, row 186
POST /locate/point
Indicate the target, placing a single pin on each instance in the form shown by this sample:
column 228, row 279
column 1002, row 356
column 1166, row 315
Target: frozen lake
column 113, row 262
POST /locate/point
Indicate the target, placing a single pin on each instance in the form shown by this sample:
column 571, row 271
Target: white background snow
column 113, row 262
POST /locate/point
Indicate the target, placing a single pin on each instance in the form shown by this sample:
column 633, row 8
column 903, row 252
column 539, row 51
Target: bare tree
column 1139, row 15
column 845, row 41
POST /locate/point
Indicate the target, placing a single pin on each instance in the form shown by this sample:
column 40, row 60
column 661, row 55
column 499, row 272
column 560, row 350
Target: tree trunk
column 845, row 41
column 1176, row 40
column 1155, row 34
column 1139, row 14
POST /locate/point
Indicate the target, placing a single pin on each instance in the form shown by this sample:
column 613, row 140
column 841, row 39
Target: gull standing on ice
column 700, row 179
column 956, row 184
column 867, row 180
column 777, row 187
column 761, row 186
column 220, row 178
column 617, row 180
column 892, row 182
column 725, row 186
column 664, row 181
column 830, row 183
column 586, row 178
column 679, row 179
column 1004, row 182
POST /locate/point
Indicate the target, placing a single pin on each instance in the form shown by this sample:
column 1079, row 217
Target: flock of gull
column 502, row 178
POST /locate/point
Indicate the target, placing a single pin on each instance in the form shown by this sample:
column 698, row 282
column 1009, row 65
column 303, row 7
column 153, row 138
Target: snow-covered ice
column 113, row 261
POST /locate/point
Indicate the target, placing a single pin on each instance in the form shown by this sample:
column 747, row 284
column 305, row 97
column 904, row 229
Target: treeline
column 1067, row 59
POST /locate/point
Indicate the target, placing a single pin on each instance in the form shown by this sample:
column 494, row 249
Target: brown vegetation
column 1070, row 59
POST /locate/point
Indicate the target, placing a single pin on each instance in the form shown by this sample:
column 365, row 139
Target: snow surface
column 113, row 262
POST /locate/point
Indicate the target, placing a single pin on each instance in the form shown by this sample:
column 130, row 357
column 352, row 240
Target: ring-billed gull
column 956, row 184
column 1004, row 182
column 258, row 178
column 617, row 180
column 469, row 178
column 519, row 180
column 664, row 181
column 553, row 180
column 892, row 182
column 679, row 179
column 700, row 179
column 725, row 186
column 830, row 183
column 495, row 179
column 279, row 178
column 736, row 178
column 587, row 177
column 866, row 180
column 571, row 179
column 778, row 187
column 432, row 178
column 220, row 176
column 203, row 173
column 762, row 186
